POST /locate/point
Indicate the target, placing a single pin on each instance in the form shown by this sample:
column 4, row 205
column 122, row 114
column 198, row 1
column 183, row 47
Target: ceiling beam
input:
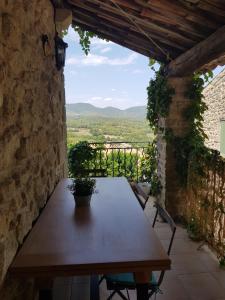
column 198, row 57
column 145, row 24
column 114, row 19
column 57, row 3
column 123, row 31
column 114, row 38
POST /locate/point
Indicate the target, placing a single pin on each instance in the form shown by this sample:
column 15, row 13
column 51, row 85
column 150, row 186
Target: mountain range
column 75, row 110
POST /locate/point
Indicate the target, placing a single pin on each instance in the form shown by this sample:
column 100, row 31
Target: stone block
column 172, row 194
column 32, row 128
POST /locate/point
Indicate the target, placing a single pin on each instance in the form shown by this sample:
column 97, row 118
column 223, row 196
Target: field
column 102, row 129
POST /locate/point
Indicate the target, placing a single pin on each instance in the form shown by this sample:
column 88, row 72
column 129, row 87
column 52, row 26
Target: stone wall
column 214, row 94
column 32, row 126
column 173, row 195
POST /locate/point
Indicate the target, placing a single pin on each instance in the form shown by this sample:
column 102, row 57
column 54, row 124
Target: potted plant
column 80, row 159
column 82, row 189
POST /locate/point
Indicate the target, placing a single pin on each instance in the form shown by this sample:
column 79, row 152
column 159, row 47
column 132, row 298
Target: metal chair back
column 168, row 219
column 141, row 196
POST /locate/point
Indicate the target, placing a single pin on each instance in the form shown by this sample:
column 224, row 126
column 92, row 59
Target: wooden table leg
column 142, row 280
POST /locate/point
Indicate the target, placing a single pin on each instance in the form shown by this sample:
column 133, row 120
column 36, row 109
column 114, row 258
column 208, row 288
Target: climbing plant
column 85, row 37
column 199, row 168
column 192, row 144
column 149, row 168
column 159, row 98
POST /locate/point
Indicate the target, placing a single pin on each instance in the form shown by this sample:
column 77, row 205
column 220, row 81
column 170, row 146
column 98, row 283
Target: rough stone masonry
column 32, row 127
column 214, row 94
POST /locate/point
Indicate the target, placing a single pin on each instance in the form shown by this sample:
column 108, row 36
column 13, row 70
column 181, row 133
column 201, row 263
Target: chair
column 141, row 196
column 125, row 281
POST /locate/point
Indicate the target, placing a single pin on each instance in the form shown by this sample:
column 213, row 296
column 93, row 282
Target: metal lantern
column 60, row 52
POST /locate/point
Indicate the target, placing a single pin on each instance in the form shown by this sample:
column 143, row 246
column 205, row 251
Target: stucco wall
column 32, row 125
column 214, row 94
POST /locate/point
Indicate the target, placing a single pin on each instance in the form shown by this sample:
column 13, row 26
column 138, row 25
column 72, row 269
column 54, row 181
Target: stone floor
column 195, row 273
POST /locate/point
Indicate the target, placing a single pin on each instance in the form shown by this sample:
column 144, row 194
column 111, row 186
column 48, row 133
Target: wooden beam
column 195, row 59
column 124, row 31
column 191, row 14
column 115, row 19
column 109, row 36
column 145, row 24
column 57, row 3
column 196, row 31
column 118, row 37
column 156, row 37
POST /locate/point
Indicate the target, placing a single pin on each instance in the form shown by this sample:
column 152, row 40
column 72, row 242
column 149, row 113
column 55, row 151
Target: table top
column 112, row 235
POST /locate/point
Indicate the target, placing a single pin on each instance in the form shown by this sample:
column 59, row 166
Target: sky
column 110, row 75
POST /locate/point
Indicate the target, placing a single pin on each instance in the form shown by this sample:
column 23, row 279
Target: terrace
column 195, row 272
column 188, row 37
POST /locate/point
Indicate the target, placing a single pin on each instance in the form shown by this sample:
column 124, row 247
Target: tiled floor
column 195, row 273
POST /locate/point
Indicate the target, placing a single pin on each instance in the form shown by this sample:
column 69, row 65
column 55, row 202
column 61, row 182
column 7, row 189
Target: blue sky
column 110, row 75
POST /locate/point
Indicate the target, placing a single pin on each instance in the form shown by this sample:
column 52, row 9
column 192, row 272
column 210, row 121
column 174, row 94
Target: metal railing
column 119, row 159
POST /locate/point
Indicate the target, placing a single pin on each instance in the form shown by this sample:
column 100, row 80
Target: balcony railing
column 127, row 159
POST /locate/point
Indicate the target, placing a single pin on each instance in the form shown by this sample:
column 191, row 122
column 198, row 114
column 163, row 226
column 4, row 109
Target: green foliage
column 100, row 129
column 118, row 163
column 82, row 186
column 85, row 38
column 207, row 76
column 192, row 145
column 222, row 262
column 79, row 158
column 194, row 231
column 149, row 168
column 98, row 160
column 152, row 63
column 159, row 98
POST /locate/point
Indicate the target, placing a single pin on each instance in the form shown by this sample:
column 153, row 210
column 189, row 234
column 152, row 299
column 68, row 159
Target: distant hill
column 75, row 110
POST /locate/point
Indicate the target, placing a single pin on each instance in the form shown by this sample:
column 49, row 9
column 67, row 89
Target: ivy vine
column 149, row 165
column 85, row 37
column 192, row 145
column 159, row 98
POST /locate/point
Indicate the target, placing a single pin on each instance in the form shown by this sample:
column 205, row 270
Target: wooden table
column 112, row 235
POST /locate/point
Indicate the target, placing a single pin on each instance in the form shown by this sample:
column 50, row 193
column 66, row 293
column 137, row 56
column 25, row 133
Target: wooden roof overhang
column 166, row 30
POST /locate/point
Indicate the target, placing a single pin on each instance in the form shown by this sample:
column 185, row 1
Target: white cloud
column 96, row 98
column 72, row 61
column 105, row 50
column 107, row 99
column 96, row 60
column 113, row 90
